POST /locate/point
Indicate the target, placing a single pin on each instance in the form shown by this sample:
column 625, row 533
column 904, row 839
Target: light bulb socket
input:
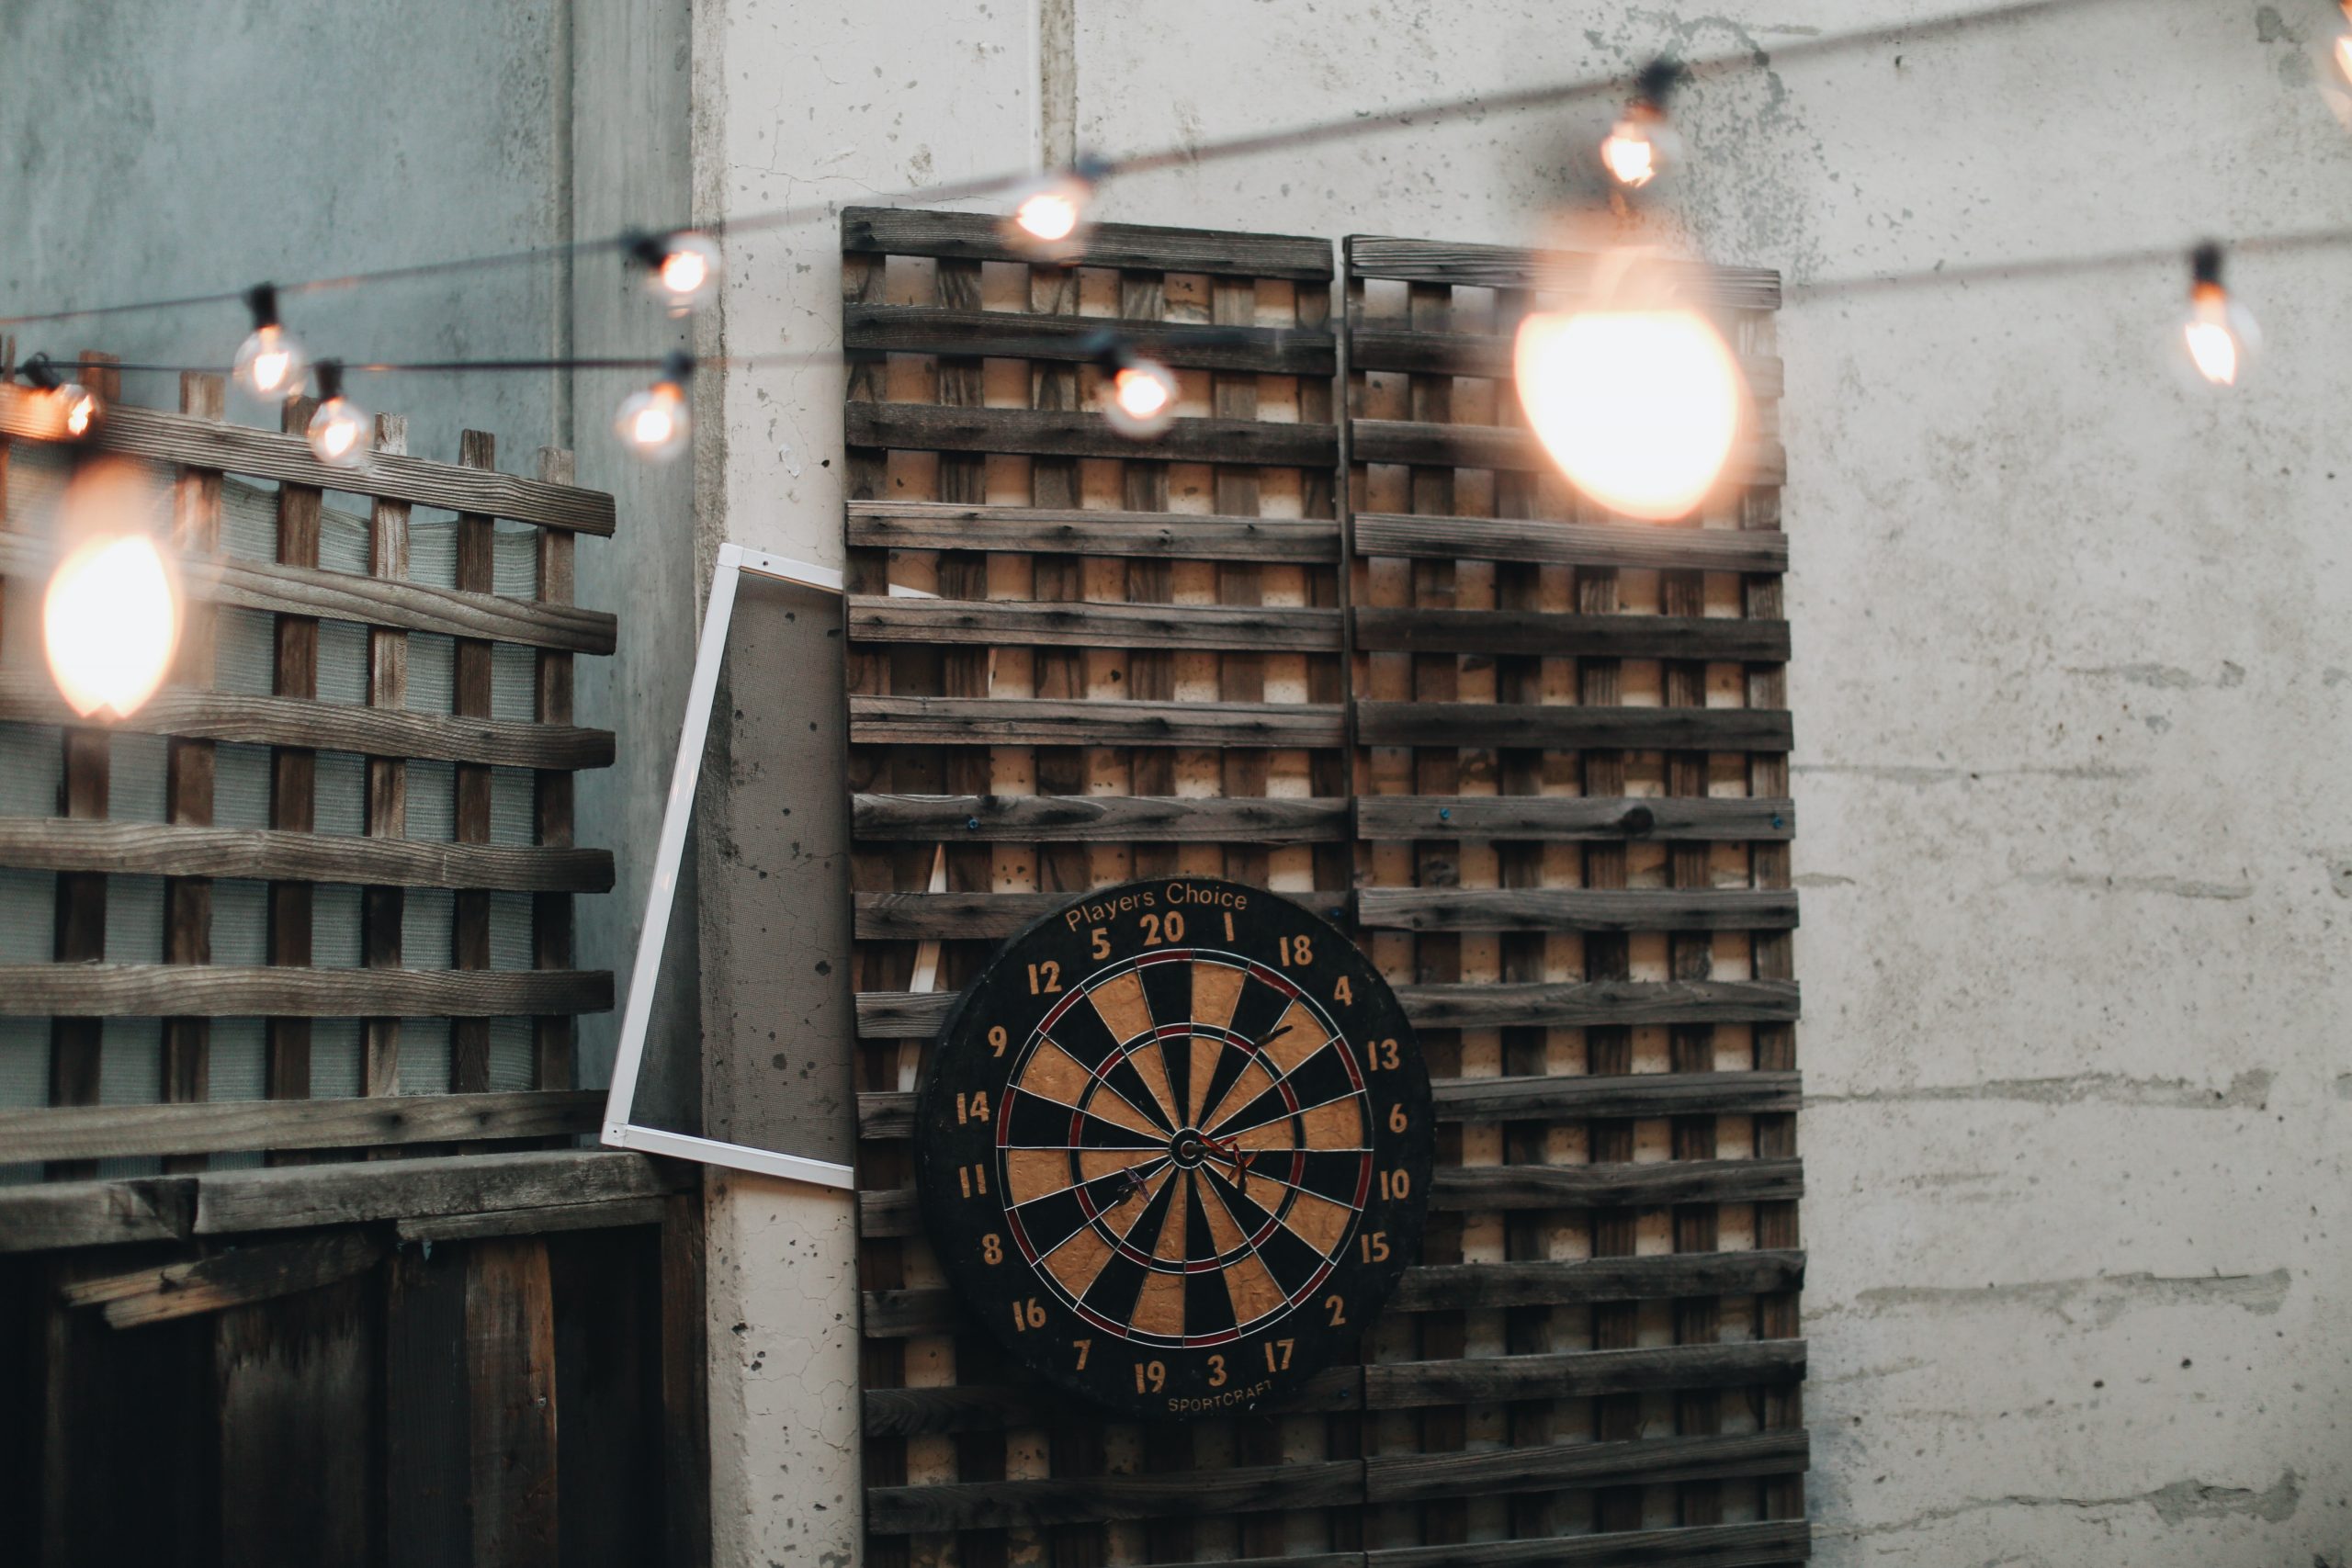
column 2205, row 264
column 1091, row 169
column 677, row 368
column 1110, row 350
column 1657, row 83
column 330, row 375
column 40, row 372
column 262, row 300
column 645, row 247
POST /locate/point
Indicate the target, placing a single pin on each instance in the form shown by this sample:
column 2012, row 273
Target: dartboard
column 1174, row 1146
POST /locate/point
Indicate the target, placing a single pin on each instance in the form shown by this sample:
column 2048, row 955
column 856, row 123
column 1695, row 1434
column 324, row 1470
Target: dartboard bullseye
column 1174, row 1146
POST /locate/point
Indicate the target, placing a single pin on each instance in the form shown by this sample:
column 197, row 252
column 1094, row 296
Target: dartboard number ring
column 1174, row 1146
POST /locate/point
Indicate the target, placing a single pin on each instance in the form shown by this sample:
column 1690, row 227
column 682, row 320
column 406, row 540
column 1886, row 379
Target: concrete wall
column 2069, row 698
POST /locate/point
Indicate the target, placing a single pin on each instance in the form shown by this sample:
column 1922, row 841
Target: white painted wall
column 2070, row 698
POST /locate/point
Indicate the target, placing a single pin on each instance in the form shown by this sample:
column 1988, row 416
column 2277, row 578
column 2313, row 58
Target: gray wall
column 161, row 150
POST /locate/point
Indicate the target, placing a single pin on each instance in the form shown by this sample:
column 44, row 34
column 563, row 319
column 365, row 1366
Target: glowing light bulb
column 681, row 269
column 2343, row 55
column 69, row 411
column 109, row 624
column 654, row 422
column 1638, row 406
column 1139, row 398
column 338, row 429
column 2219, row 333
column 1642, row 141
column 1048, row 218
column 1629, row 154
column 269, row 363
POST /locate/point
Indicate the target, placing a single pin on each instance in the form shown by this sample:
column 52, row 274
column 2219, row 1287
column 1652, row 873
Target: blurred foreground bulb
column 73, row 410
column 681, row 269
column 1049, row 217
column 338, row 431
column 1138, row 395
column 1643, row 140
column 1638, row 406
column 270, row 364
column 653, row 422
column 110, row 620
column 2220, row 334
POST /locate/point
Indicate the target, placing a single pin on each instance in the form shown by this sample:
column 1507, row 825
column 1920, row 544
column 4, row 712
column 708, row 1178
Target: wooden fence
column 1535, row 755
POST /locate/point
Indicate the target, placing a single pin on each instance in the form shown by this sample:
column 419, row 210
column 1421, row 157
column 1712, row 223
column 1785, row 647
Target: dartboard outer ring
column 1175, row 1202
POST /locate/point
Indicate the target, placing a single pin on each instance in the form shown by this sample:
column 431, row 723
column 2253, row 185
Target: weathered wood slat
column 1518, row 1099
column 1647, row 1461
column 1570, row 816
column 327, row 727
column 1021, row 721
column 918, row 1015
column 367, row 600
column 1082, row 433
column 1569, row 908
column 938, row 526
column 58, row 844
column 1027, row 818
column 1005, row 334
column 999, row 623
column 226, row 1279
column 1579, row 1374
column 1134, row 247
column 1425, row 444
column 1693, row 1546
column 978, row 1407
column 542, row 1221
column 233, row 448
column 1003, row 1505
column 149, row 990
column 1546, row 636
column 940, row 917
column 1571, row 543
column 1648, row 1185
column 1569, row 1282
column 1489, row 357
column 1572, row 727
column 36, row 1217
column 219, row 1126
column 231, row 1201
column 1514, row 267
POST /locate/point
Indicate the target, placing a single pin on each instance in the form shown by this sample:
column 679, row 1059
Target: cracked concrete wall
column 2070, row 701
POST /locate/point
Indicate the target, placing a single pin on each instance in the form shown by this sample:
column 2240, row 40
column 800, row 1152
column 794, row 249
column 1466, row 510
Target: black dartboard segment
column 1174, row 1146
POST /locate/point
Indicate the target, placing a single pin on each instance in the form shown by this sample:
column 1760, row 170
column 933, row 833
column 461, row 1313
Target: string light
column 1637, row 399
column 1138, row 395
column 654, row 422
column 74, row 409
column 110, row 619
column 1048, row 218
column 269, row 364
column 2344, row 43
column 338, row 429
column 2220, row 334
column 681, row 267
column 1643, row 140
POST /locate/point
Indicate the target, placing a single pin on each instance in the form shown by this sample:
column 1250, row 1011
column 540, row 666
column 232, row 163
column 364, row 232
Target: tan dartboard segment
column 1095, row 1163
column 1319, row 1223
column 1217, row 987
column 1160, row 1305
column 1170, row 1246
column 1076, row 1261
column 1339, row 1125
column 1298, row 1036
column 1206, row 1052
column 1253, row 1289
column 1032, row 1174
column 1052, row 1073
column 1152, row 1067
column 1254, row 1081
column 1120, row 1004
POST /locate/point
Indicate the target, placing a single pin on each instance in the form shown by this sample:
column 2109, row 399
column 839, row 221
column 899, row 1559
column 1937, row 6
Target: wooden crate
column 284, row 593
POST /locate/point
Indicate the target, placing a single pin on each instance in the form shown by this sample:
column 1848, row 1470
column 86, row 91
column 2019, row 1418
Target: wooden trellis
column 1538, row 756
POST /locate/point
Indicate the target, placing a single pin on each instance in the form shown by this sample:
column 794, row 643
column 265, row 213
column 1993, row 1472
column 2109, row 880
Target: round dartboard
column 1174, row 1146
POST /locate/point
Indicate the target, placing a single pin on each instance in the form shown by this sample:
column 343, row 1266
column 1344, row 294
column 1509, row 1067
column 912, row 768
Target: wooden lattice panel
column 1572, row 777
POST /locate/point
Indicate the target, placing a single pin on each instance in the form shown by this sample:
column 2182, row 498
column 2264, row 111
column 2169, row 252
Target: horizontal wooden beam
column 235, row 1278
column 1023, row 818
column 1568, row 1283
column 207, row 990
column 220, row 1126
column 173, row 1208
column 239, row 449
column 1716, row 637
column 1083, row 433
column 1566, row 727
column 1578, row 1374
column 1488, row 356
column 1011, row 334
column 1002, row 1505
column 1135, row 247
column 993, row 622
column 1747, row 550
column 942, row 526
column 328, row 727
column 977, row 1407
column 1570, row 816
column 1422, row 444
column 1651, row 1461
column 1562, row 272
column 1649, row 1185
column 61, row 843
column 546, row 1220
column 918, row 1015
column 366, row 601
column 935, row 917
column 1025, row 721
column 1576, row 909
column 1763, row 1544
